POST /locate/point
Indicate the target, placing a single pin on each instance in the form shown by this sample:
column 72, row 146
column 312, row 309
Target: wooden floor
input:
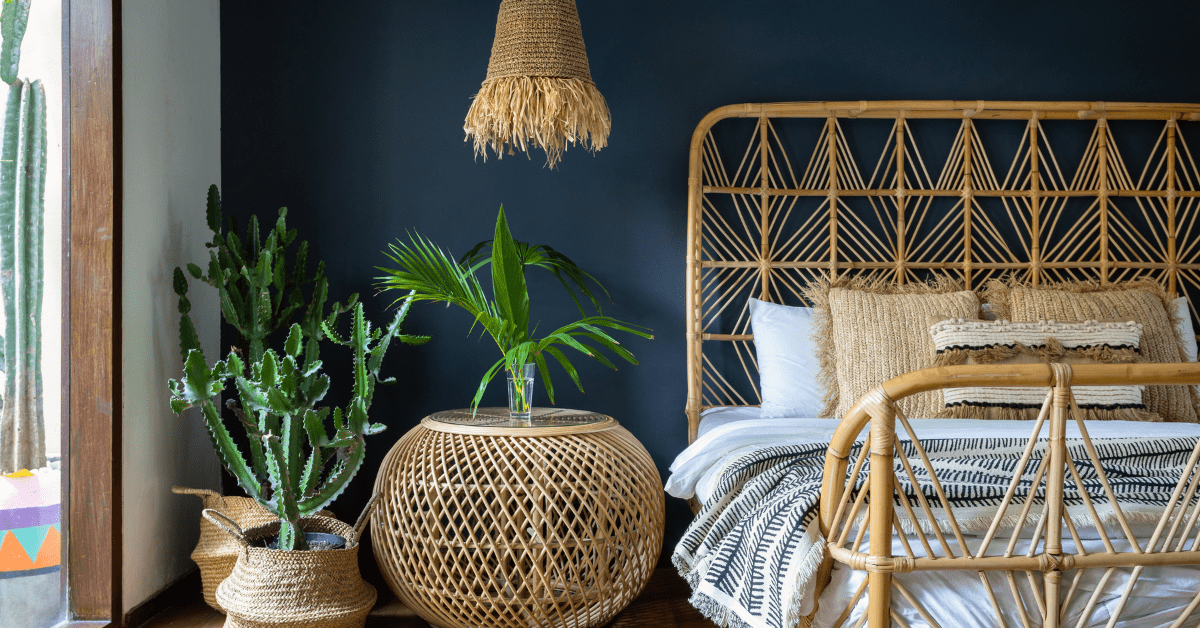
column 662, row 605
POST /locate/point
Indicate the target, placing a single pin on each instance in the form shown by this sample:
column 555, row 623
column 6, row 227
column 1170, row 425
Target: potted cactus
column 302, row 452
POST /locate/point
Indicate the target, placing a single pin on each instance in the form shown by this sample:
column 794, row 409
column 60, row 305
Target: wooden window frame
column 91, row 318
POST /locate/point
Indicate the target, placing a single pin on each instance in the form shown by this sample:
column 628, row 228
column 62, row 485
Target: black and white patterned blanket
column 752, row 553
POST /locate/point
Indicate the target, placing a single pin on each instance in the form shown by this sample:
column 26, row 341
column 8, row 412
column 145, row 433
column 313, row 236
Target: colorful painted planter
column 30, row 523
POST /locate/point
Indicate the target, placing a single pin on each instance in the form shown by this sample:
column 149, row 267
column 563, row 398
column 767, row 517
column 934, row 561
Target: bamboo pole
column 901, row 202
column 879, row 582
column 1083, row 192
column 1055, row 483
column 1035, row 205
column 1102, row 193
column 1172, row 253
column 764, row 254
column 967, row 199
column 831, row 140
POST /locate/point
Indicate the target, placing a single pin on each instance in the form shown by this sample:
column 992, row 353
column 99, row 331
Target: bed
column 890, row 519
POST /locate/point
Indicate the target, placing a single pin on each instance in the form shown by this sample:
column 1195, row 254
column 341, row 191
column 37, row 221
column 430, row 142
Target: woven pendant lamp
column 539, row 90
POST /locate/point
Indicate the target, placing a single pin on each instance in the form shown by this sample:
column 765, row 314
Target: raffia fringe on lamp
column 539, row 89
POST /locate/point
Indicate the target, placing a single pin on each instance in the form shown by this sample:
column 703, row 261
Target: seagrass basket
column 294, row 589
column 216, row 552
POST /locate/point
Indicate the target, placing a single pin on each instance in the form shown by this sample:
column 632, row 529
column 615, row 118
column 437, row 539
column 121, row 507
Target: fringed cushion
column 959, row 341
column 1143, row 301
column 869, row 331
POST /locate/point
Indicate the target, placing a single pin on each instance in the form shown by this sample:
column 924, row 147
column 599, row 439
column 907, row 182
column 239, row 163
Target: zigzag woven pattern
column 755, row 546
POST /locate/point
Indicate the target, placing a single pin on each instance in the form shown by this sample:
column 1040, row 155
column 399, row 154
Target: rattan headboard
column 770, row 208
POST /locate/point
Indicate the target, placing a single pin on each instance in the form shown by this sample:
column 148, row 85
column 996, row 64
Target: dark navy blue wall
column 351, row 113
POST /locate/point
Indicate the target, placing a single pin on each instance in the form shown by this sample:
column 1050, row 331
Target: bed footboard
column 881, row 485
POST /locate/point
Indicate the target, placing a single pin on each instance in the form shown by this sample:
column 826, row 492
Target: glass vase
column 520, row 392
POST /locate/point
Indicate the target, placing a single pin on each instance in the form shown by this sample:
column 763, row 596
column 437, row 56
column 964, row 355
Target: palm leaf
column 508, row 281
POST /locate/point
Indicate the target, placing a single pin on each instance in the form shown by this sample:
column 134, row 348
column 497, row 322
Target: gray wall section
column 172, row 147
column 351, row 115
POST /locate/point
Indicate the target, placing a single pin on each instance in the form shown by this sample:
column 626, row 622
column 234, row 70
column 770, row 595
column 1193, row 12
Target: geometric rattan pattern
column 1027, row 567
column 767, row 212
column 518, row 531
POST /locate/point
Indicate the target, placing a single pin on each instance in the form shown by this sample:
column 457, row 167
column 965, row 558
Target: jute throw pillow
column 1142, row 301
column 960, row 341
column 868, row 332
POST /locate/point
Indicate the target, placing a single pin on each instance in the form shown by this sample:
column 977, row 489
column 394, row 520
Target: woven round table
column 488, row 521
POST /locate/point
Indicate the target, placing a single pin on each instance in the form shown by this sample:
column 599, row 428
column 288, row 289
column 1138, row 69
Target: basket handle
column 232, row 528
column 361, row 525
column 199, row 492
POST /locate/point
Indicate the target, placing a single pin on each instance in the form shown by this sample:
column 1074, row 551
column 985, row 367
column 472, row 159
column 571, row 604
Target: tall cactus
column 277, row 405
column 279, row 395
column 22, row 194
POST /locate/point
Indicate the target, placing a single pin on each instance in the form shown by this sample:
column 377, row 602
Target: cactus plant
column 22, row 192
column 295, row 468
column 277, row 405
column 13, row 19
column 260, row 294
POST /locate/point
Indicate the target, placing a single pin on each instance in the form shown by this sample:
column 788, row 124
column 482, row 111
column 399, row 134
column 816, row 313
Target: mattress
column 1161, row 594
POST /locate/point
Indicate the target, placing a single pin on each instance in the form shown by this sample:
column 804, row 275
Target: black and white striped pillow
column 960, row 341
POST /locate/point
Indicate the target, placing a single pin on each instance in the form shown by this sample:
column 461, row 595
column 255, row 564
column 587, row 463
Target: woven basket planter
column 294, row 589
column 216, row 552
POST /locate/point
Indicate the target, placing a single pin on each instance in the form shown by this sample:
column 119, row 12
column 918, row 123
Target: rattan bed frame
column 757, row 229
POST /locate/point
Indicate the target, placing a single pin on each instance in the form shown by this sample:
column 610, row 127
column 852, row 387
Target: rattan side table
column 487, row 521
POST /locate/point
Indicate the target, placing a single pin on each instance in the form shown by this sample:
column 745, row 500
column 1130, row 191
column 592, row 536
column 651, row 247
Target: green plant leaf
column 13, row 20
column 312, row 473
column 508, row 281
column 188, row 340
column 338, row 479
column 199, row 382
column 179, row 282
column 228, row 452
column 252, row 398
column 487, row 378
column 567, row 366
column 543, row 256
column 314, row 424
column 545, row 373
column 212, row 210
column 294, row 341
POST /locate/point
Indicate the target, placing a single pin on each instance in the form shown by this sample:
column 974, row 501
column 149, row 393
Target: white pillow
column 787, row 360
column 1184, row 327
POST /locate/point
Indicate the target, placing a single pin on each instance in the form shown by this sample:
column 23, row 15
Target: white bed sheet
column 727, row 433
column 1158, row 598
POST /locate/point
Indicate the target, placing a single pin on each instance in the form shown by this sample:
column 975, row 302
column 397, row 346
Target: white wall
column 172, row 152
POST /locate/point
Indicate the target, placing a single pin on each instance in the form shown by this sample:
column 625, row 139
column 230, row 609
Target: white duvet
column 727, row 433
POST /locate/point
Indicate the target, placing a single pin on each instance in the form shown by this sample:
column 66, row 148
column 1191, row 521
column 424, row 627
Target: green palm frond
column 426, row 272
column 542, row 256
